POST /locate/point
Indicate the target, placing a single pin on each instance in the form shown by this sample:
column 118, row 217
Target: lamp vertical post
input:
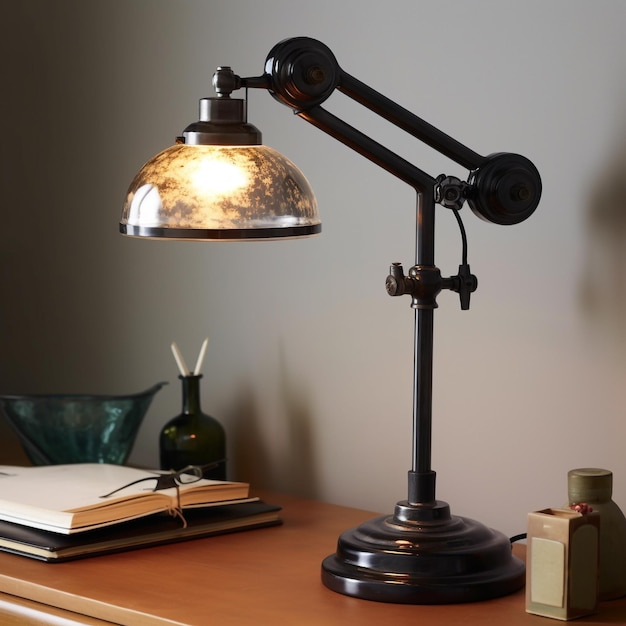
column 421, row 488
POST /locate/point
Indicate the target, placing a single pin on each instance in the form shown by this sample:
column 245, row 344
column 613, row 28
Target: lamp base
column 423, row 555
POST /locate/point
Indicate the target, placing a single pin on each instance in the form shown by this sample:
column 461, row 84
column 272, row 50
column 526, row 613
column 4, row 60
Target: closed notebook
column 71, row 498
column 139, row 533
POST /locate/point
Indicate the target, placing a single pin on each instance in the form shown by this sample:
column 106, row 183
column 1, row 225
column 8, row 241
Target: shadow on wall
column 251, row 461
column 291, row 468
column 298, row 460
column 603, row 286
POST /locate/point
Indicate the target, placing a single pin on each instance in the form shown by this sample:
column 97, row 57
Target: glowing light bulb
column 215, row 177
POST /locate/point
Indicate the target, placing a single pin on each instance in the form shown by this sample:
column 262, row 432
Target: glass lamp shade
column 217, row 192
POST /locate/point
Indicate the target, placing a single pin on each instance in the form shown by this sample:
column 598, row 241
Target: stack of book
column 62, row 512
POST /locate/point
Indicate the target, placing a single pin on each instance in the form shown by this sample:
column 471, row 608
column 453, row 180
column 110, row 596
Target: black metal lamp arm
column 502, row 188
column 302, row 73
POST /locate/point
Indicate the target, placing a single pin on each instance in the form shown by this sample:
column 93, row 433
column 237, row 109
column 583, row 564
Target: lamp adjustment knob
column 467, row 284
column 451, row 192
column 396, row 281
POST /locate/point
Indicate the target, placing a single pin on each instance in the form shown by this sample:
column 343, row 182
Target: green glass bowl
column 57, row 429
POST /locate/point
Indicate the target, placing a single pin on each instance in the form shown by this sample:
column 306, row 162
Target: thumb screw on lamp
column 396, row 281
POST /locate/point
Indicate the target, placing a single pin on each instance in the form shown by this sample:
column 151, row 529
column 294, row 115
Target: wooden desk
column 265, row 576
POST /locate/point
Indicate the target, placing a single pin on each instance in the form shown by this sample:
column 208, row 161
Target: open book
column 70, row 498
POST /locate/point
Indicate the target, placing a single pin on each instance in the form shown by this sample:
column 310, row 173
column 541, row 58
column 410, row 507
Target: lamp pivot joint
column 424, row 283
column 225, row 81
column 506, row 189
column 302, row 72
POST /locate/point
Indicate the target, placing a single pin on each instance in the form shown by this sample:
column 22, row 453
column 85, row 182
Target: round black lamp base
column 423, row 555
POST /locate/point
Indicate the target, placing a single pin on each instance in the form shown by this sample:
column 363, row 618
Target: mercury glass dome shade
column 220, row 192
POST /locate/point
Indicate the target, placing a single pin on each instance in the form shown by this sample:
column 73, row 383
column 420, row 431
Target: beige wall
column 310, row 363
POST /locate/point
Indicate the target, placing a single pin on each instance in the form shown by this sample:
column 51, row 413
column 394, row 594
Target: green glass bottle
column 193, row 437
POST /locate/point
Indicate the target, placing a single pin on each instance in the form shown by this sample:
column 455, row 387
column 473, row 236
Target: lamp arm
column 367, row 147
column 409, row 122
column 302, row 73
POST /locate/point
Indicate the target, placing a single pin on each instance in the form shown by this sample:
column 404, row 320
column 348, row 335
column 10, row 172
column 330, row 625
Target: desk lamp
column 220, row 183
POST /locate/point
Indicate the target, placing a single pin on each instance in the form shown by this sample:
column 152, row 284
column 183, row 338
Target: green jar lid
column 589, row 484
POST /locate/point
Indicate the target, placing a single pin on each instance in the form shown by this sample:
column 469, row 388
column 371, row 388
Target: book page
column 69, row 496
column 69, row 487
